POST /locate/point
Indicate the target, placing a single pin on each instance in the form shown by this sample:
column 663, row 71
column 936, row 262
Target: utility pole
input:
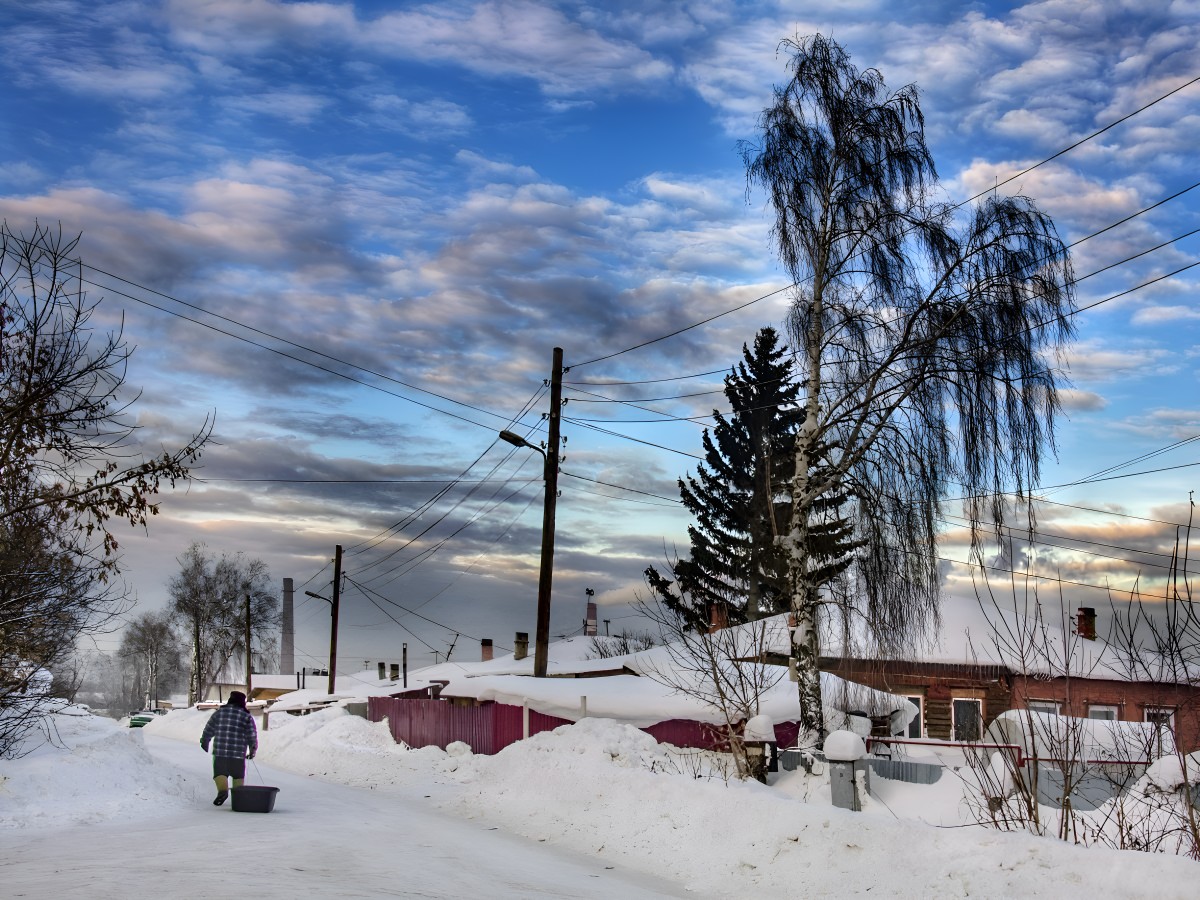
column 249, row 686
column 546, row 574
column 550, row 477
column 337, row 592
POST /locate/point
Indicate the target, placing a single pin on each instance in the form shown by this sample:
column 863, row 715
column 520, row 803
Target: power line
column 298, row 359
column 629, row 437
column 625, row 499
column 647, row 399
column 428, row 504
column 368, row 591
column 703, row 420
column 959, row 205
column 647, row 381
column 1084, row 140
column 619, row 487
column 1129, row 462
column 428, row 552
column 679, row 331
column 449, row 481
column 267, row 334
column 1104, row 512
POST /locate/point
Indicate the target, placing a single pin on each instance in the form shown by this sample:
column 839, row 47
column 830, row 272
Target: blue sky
column 442, row 193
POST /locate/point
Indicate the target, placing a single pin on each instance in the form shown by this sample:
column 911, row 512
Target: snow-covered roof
column 1029, row 645
column 650, row 696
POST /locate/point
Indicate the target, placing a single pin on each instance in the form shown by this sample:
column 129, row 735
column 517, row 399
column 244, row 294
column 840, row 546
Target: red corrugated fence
column 490, row 727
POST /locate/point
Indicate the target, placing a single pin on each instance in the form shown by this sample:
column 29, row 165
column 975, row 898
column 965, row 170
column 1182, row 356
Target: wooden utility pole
column 337, row 592
column 249, row 686
column 546, row 574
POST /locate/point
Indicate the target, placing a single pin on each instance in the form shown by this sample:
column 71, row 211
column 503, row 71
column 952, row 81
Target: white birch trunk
column 805, row 639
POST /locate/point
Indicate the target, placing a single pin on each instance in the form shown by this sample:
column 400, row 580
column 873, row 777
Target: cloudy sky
column 354, row 232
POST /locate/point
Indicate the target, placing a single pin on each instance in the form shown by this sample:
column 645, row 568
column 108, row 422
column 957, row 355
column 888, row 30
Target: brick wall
column 998, row 690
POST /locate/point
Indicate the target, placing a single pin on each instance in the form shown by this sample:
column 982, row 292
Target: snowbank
column 82, row 755
column 609, row 792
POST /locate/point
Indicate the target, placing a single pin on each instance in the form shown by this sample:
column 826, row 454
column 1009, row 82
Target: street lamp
column 550, row 476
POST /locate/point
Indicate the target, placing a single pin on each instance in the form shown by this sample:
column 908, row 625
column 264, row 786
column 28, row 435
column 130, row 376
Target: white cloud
column 240, row 27
column 1074, row 400
column 1158, row 315
column 1093, row 361
column 510, row 38
column 295, row 106
column 422, row 119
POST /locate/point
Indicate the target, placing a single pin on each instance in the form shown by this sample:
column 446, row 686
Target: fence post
column 525, row 718
column 583, row 707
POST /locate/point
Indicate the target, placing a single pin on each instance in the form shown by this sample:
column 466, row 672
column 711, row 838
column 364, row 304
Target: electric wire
column 426, row 553
column 298, row 359
column 266, row 334
column 373, row 593
column 971, row 199
column 398, row 526
column 703, row 419
column 480, row 555
column 619, row 487
column 428, row 506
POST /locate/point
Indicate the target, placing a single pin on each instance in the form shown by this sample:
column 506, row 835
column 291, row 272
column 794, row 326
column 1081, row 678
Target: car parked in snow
column 144, row 717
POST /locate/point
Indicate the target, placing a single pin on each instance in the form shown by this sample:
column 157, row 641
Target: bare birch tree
column 923, row 333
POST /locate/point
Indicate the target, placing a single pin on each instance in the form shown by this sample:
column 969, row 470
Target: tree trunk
column 805, row 639
column 195, row 684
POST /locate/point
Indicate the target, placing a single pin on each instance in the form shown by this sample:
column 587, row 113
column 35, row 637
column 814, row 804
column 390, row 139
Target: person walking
column 232, row 732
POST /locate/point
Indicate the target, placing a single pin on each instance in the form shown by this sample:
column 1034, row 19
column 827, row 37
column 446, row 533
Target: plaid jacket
column 231, row 730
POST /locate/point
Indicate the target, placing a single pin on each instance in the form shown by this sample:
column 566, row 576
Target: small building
column 1047, row 669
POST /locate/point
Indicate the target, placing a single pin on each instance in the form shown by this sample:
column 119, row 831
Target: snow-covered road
column 322, row 840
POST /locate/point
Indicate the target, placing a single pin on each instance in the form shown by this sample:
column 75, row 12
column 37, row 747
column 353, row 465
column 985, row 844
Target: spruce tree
column 739, row 498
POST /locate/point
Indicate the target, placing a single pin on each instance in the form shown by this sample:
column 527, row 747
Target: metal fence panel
column 490, row 727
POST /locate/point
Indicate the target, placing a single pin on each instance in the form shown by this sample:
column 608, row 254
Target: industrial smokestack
column 287, row 642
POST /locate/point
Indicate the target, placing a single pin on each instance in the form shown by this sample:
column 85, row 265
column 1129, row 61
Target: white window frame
column 1104, row 707
column 1053, row 707
column 1151, row 714
column 954, row 716
column 918, row 701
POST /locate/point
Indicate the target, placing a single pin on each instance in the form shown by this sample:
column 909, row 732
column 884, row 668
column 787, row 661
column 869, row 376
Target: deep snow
column 358, row 815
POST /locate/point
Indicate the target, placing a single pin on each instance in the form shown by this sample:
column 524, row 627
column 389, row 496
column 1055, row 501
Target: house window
column 1053, row 707
column 1163, row 720
column 1162, row 716
column 967, row 719
column 916, row 728
column 1105, row 713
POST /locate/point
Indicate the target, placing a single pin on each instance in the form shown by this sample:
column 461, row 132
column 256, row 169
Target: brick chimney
column 1085, row 623
column 485, row 649
column 521, row 645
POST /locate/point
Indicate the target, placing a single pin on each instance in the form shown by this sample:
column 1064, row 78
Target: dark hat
column 237, row 698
